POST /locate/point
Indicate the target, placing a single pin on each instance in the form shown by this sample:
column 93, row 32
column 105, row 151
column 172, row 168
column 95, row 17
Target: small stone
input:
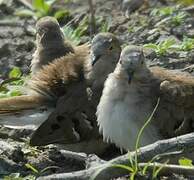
column 17, row 155
column 4, row 50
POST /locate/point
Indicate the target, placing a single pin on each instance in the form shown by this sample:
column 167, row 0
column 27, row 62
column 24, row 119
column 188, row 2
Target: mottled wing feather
column 53, row 80
column 67, row 123
column 175, row 114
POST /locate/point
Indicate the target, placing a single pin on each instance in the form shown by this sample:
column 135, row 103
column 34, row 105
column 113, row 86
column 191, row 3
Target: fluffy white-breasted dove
column 130, row 95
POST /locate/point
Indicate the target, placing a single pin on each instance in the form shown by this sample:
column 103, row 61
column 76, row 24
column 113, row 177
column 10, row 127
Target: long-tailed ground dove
column 43, row 88
column 74, row 121
column 130, row 95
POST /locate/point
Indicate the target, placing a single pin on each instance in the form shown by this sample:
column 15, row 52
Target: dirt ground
column 17, row 44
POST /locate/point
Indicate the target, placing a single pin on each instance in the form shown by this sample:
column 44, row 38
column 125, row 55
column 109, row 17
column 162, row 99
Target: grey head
column 104, row 45
column 132, row 61
column 105, row 52
column 48, row 31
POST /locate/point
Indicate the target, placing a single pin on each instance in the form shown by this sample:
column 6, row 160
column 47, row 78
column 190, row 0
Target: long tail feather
column 12, row 104
column 24, row 111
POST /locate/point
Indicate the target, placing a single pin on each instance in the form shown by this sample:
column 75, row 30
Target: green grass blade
column 142, row 129
column 29, row 166
column 155, row 173
column 123, row 167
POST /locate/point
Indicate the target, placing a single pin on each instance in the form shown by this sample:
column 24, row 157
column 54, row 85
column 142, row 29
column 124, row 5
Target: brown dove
column 50, row 43
column 51, row 46
column 44, row 89
column 130, row 95
column 73, row 122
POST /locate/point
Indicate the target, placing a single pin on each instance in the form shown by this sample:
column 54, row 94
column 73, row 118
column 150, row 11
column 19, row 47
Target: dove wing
column 175, row 114
column 49, row 83
column 71, row 124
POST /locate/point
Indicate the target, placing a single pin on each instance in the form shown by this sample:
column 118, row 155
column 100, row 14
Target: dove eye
column 111, row 48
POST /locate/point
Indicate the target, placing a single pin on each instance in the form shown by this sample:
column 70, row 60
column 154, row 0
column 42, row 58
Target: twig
column 10, row 23
column 78, row 157
column 191, row 67
column 27, row 3
column 107, row 171
column 169, row 169
column 92, row 18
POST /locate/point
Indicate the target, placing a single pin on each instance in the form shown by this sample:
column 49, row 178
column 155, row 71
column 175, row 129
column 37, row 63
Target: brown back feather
column 53, row 79
column 173, row 76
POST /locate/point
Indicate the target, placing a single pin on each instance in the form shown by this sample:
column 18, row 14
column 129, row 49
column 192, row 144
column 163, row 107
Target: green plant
column 178, row 18
column 12, row 86
column 104, row 23
column 187, row 44
column 185, row 162
column 36, row 171
column 41, row 8
column 131, row 29
column 172, row 15
column 74, row 35
column 105, row 26
column 164, row 11
column 162, row 47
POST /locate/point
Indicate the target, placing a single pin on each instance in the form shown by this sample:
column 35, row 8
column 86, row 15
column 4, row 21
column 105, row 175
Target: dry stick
column 191, row 67
column 92, row 18
column 107, row 171
column 169, row 169
column 11, row 23
column 27, row 3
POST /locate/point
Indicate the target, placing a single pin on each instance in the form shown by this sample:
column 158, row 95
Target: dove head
column 131, row 61
column 105, row 52
column 104, row 45
column 48, row 30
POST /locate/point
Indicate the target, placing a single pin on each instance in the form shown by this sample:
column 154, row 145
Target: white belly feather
column 122, row 112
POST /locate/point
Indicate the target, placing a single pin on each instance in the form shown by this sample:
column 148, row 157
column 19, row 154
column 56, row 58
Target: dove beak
column 130, row 76
column 95, row 58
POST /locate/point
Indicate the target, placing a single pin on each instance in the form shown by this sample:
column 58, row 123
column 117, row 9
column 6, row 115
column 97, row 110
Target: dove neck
column 49, row 44
column 100, row 71
column 142, row 74
column 50, row 39
column 139, row 75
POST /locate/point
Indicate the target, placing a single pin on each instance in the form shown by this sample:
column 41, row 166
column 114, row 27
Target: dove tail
column 18, row 103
